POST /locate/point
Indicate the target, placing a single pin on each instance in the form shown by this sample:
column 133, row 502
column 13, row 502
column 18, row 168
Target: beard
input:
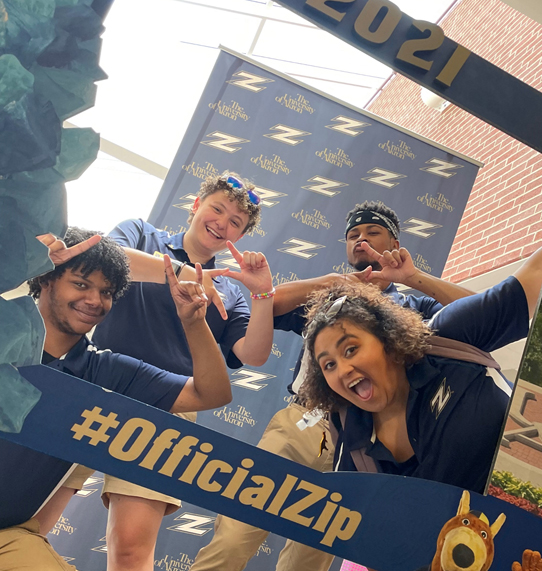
column 364, row 264
column 58, row 315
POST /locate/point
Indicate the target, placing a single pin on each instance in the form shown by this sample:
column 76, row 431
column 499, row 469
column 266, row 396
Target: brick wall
column 502, row 222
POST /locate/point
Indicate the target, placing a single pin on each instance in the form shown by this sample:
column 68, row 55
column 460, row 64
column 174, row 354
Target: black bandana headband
column 370, row 217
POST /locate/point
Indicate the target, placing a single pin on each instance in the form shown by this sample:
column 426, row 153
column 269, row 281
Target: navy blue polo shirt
column 122, row 374
column 295, row 320
column 144, row 322
column 455, row 410
column 36, row 473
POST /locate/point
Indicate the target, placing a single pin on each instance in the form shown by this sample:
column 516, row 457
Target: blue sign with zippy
column 385, row 522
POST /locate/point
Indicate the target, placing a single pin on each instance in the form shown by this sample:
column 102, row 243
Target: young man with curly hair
column 143, row 325
column 411, row 412
column 372, row 243
column 90, row 275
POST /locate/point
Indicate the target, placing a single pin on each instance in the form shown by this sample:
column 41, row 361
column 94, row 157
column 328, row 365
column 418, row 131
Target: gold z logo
column 195, row 524
column 186, row 205
column 420, row 228
column 351, row 127
column 287, row 135
column 267, row 196
column 383, row 177
column 440, row 398
column 325, row 186
column 224, row 142
column 249, row 81
column 251, row 379
column 441, row 168
column 300, row 248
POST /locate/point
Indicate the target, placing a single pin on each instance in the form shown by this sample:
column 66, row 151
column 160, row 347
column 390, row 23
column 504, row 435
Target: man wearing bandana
column 372, row 249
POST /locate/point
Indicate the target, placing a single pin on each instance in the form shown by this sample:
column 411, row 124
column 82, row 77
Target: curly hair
column 379, row 207
column 106, row 256
column 401, row 331
column 214, row 184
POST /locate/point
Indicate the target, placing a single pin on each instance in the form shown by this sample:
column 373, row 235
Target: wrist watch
column 177, row 267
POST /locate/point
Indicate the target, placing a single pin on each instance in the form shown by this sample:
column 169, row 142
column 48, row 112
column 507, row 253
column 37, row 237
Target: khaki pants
column 22, row 548
column 234, row 543
column 114, row 485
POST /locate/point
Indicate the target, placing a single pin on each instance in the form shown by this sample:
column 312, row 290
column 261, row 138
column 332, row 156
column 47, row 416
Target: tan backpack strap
column 452, row 349
column 362, row 462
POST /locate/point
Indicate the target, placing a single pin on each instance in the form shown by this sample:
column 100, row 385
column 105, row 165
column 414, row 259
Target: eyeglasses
column 332, row 311
column 234, row 182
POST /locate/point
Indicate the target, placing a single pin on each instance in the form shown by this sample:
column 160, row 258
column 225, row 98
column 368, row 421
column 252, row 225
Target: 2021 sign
column 421, row 51
column 378, row 20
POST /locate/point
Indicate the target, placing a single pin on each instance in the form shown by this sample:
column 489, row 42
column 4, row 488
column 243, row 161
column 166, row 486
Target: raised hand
column 397, row 265
column 531, row 561
column 189, row 297
column 60, row 253
column 255, row 273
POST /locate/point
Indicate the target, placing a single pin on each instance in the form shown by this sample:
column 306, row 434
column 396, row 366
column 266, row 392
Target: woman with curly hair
column 404, row 410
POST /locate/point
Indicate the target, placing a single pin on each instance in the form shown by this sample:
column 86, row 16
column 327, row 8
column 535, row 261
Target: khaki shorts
column 113, row 485
column 22, row 547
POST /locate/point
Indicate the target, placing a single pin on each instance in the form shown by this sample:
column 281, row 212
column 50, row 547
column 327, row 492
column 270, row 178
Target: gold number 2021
column 366, row 27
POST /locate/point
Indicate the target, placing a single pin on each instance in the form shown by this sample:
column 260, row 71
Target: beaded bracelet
column 265, row 295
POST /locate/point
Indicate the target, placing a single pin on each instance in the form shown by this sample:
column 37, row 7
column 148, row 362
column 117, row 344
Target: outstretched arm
column 254, row 348
column 148, row 268
column 209, row 386
column 290, row 295
column 398, row 267
column 530, row 277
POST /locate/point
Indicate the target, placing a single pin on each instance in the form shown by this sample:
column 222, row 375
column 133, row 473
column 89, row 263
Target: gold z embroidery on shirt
column 440, row 398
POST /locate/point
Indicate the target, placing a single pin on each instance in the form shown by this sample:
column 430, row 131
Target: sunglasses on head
column 234, row 182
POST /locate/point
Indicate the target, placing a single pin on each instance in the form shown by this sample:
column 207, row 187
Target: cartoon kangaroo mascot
column 465, row 543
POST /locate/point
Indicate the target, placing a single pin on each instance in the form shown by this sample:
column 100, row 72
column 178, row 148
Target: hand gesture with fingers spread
column 363, row 276
column 189, row 297
column 255, row 273
column 211, row 291
column 60, row 253
column 531, row 561
column 397, row 265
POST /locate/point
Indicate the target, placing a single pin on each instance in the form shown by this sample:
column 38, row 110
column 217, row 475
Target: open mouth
column 363, row 387
column 213, row 233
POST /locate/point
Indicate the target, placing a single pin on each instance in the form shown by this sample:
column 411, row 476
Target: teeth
column 214, row 233
column 354, row 383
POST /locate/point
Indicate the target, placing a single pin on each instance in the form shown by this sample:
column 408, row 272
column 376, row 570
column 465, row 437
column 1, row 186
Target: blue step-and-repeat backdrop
column 312, row 159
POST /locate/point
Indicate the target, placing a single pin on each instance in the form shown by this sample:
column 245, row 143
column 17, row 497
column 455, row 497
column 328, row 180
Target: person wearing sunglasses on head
column 144, row 325
column 373, row 251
